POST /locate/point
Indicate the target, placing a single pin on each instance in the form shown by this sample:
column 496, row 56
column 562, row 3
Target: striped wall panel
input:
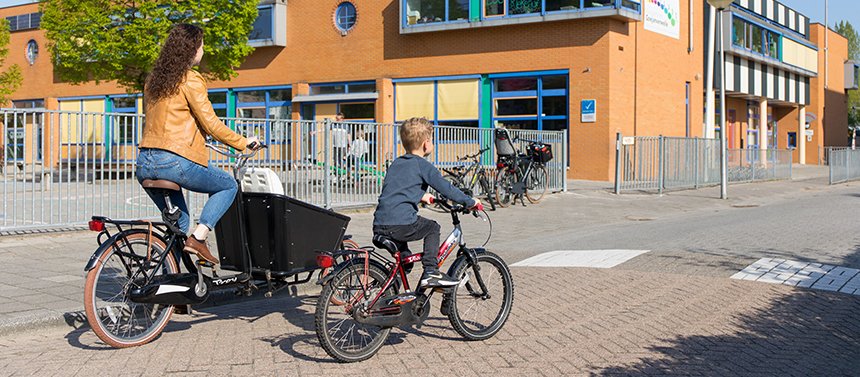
column 777, row 12
column 753, row 78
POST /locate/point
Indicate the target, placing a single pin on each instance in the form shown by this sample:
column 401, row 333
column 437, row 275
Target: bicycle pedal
column 182, row 309
column 205, row 263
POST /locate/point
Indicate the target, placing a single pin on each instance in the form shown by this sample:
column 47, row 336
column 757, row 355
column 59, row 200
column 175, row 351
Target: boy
column 405, row 186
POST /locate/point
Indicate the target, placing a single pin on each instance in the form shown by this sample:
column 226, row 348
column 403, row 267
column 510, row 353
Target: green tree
column 10, row 80
column 105, row 40
column 845, row 28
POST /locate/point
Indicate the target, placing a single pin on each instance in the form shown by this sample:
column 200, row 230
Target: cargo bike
column 266, row 241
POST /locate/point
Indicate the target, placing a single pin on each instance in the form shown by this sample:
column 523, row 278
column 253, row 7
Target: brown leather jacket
column 181, row 122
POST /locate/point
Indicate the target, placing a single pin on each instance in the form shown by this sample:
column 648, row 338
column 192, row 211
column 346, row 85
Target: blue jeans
column 220, row 185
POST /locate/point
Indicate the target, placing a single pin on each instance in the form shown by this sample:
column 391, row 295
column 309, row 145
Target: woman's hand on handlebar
column 478, row 206
column 253, row 143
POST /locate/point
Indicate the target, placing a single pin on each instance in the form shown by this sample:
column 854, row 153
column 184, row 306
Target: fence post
column 618, row 163
column 564, row 160
column 326, row 164
column 661, row 159
column 696, row 169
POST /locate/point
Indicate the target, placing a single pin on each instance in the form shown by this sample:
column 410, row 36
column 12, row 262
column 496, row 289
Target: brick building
column 590, row 67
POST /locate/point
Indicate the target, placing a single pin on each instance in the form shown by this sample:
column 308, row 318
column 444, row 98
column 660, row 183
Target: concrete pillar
column 762, row 131
column 801, row 135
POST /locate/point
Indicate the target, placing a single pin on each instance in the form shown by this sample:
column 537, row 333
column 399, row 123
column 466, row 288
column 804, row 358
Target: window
column 123, row 127
column 531, row 102
column 16, row 130
column 262, row 104
column 454, row 102
column 772, row 44
column 345, row 16
column 262, row 26
column 357, row 87
column 598, row 3
column 358, row 111
column 219, row 103
column 524, row 6
column 739, row 33
column 458, row 10
column 792, row 140
column 24, row 21
column 493, row 8
column 755, row 38
column 32, row 51
column 554, row 5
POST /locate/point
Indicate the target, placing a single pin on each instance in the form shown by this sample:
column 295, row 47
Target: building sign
column 662, row 16
column 589, row 111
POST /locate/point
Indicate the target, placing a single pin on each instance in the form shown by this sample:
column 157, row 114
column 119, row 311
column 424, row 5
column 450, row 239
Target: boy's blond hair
column 414, row 131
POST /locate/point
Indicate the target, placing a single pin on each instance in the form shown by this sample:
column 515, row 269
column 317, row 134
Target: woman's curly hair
column 174, row 60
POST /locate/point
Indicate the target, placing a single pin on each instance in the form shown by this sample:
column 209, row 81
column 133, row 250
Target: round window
column 32, row 51
column 344, row 18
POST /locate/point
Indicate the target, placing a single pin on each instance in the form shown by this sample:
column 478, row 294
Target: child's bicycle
column 368, row 294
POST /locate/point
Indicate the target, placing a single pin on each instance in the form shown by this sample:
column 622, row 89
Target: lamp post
column 853, row 126
column 721, row 5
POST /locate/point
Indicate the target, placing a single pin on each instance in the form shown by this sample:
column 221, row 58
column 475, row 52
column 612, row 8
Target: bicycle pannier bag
column 504, row 145
column 541, row 153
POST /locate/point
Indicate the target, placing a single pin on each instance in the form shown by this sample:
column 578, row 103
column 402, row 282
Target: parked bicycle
column 472, row 179
column 134, row 280
column 368, row 294
column 520, row 174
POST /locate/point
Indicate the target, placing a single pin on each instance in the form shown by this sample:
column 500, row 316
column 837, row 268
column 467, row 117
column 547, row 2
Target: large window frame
column 15, row 143
column 756, row 38
column 126, row 128
column 540, row 94
column 430, row 12
column 265, row 100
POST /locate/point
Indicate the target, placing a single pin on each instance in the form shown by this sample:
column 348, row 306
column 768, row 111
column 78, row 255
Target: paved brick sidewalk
column 565, row 321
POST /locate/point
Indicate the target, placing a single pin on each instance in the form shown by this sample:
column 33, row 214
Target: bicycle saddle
column 149, row 184
column 386, row 243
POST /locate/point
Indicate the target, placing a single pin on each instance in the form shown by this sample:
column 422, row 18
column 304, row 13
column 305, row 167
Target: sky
column 839, row 10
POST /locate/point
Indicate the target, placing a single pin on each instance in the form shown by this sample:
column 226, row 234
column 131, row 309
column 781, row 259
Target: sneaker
column 435, row 278
column 199, row 248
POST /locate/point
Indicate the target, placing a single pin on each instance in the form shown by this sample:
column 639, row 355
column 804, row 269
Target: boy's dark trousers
column 423, row 228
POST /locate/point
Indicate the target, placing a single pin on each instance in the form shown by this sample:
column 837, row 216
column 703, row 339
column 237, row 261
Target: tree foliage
column 10, row 79
column 845, row 28
column 105, row 40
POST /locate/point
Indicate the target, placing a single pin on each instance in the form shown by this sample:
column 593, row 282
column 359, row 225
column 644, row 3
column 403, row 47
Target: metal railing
column 659, row 162
column 844, row 165
column 62, row 167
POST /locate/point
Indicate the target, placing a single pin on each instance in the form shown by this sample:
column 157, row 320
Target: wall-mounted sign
column 628, row 140
column 589, row 111
column 663, row 16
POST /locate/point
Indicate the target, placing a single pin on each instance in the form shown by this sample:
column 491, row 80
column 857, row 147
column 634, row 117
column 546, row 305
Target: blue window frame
column 269, row 103
column 345, row 16
column 536, row 101
column 424, row 12
column 16, row 130
column 344, row 88
column 123, row 129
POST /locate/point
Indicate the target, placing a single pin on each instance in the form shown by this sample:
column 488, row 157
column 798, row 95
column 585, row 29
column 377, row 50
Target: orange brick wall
column 636, row 76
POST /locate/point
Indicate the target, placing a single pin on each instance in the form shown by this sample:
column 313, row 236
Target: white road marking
column 803, row 274
column 581, row 258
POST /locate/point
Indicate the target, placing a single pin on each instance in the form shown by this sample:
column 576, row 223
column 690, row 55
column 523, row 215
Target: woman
column 178, row 118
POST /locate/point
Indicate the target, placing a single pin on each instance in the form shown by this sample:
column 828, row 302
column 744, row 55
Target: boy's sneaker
column 436, row 278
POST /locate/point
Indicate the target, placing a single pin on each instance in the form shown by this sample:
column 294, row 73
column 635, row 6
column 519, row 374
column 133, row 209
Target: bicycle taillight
column 96, row 225
column 325, row 261
column 500, row 165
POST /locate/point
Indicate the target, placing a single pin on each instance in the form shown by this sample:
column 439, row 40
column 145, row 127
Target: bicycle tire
column 113, row 317
column 504, row 182
column 339, row 334
column 473, row 317
column 487, row 191
column 536, row 184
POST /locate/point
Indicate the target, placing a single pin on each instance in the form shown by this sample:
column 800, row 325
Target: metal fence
column 659, row 162
column 844, row 165
column 62, row 167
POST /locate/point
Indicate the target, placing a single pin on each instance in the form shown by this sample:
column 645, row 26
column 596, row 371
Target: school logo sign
column 662, row 16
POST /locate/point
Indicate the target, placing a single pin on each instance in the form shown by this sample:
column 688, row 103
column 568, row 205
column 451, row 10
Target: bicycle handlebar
column 468, row 157
column 442, row 201
column 222, row 150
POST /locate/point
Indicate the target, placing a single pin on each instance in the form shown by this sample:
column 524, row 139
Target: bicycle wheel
column 487, row 190
column 115, row 319
column 475, row 317
column 340, row 335
column 536, row 184
column 504, row 181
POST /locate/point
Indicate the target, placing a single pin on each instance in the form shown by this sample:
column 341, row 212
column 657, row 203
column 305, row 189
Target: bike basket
column 504, row 145
column 540, row 152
